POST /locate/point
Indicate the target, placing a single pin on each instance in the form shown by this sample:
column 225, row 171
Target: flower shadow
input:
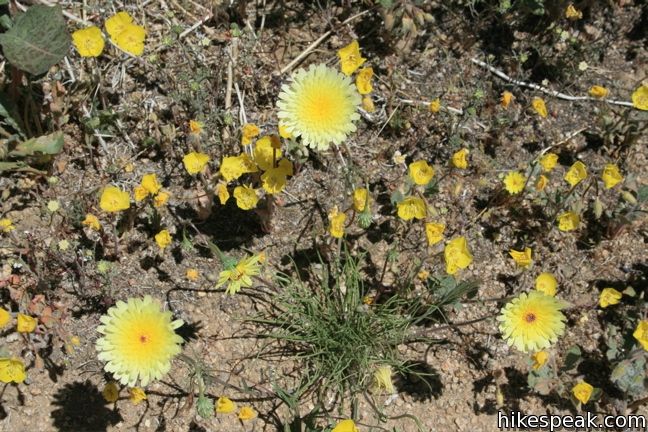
column 80, row 406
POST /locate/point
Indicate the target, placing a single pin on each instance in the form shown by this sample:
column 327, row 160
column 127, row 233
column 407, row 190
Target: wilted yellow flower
column 110, row 392
column 92, row 222
column 506, row 99
column 89, row 41
column 336, row 221
column 539, row 359
column 137, row 395
column 572, row 13
column 435, row 106
column 246, row 413
column 163, row 239
column 195, row 162
column 118, row 23
column 6, row 225
column 265, row 154
column 420, row 172
column 192, row 274
column 5, row 317
column 598, row 91
column 582, row 392
column 521, row 258
column 368, row 105
column 640, row 98
column 246, row 197
column 539, row 106
column 611, row 176
column 434, row 232
column 541, row 183
column 568, row 221
column 345, row 426
column 114, row 199
column 457, row 255
column 398, row 158
column 423, row 275
column 360, row 199
column 225, row 405
column 151, row 184
column 161, row 199
column 222, row 192
column 548, row 161
column 382, row 380
column 12, row 370
column 26, row 324
column 286, row 166
column 350, row 58
column 459, row 159
column 363, row 80
column 195, row 127
column 273, row 180
column 546, row 283
column 641, row 334
column 249, row 131
column 514, row 182
column 576, row 173
column 411, row 207
column 239, row 275
column 131, row 39
column 609, row 296
column 284, row 132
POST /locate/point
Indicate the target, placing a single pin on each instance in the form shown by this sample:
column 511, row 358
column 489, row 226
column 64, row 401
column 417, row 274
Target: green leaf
column 642, row 194
column 47, row 145
column 572, row 358
column 37, row 40
column 9, row 115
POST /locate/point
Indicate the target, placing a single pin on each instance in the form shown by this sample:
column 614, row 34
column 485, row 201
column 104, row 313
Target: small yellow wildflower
column 240, row 275
column 5, row 317
column 151, row 184
column 541, row 183
column 582, row 392
column 284, row 132
column 89, row 41
column 336, row 221
column 423, row 275
column 265, row 154
column 346, row 426
column 521, row 258
column 222, row 192
column 598, row 92
column 539, row 359
column 576, row 173
column 131, row 39
column 26, row 324
column 350, row 58
column 539, row 106
column 137, row 395
column 92, row 222
column 114, row 199
column 368, row 300
column 140, row 193
column 195, row 162
column 546, row 283
column 459, row 159
column 110, row 392
column 641, row 334
column 249, row 131
column 192, row 274
column 382, row 380
column 118, row 23
column 163, row 239
column 224, row 405
column 434, row 232
column 411, row 208
column 360, row 199
column 368, row 104
column 435, row 106
column 548, row 161
column 611, row 176
column 246, row 197
column 363, row 80
column 12, row 370
column 640, row 98
column 420, row 172
column 506, row 99
column 273, row 180
column 514, row 182
column 195, row 127
column 6, row 225
column 609, row 296
column 571, row 13
column 457, row 255
column 231, row 168
column 161, row 199
column 568, row 221
column 247, row 413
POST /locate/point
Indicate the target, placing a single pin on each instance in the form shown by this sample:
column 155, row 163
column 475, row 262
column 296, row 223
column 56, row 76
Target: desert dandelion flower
column 138, row 342
column 319, row 105
column 532, row 321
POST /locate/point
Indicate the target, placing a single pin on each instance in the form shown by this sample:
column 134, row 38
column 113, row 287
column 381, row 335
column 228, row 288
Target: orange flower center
column 530, row 317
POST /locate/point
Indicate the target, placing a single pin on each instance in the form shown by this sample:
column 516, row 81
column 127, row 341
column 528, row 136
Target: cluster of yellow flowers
column 125, row 34
column 111, row 391
column 225, row 405
column 150, row 187
column 13, row 369
column 350, row 61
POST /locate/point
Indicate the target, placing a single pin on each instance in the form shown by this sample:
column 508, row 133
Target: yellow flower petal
column 640, row 98
column 25, row 323
column 609, row 297
column 114, row 199
column 350, row 58
column 583, row 392
column 89, row 41
column 539, row 106
column 225, row 405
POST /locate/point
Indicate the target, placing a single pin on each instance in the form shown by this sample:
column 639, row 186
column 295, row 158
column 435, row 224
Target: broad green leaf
column 37, row 40
column 8, row 115
column 47, row 145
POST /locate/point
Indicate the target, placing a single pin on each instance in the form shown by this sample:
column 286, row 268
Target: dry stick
column 545, row 90
column 426, row 103
column 195, row 26
column 65, row 13
column 319, row 40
